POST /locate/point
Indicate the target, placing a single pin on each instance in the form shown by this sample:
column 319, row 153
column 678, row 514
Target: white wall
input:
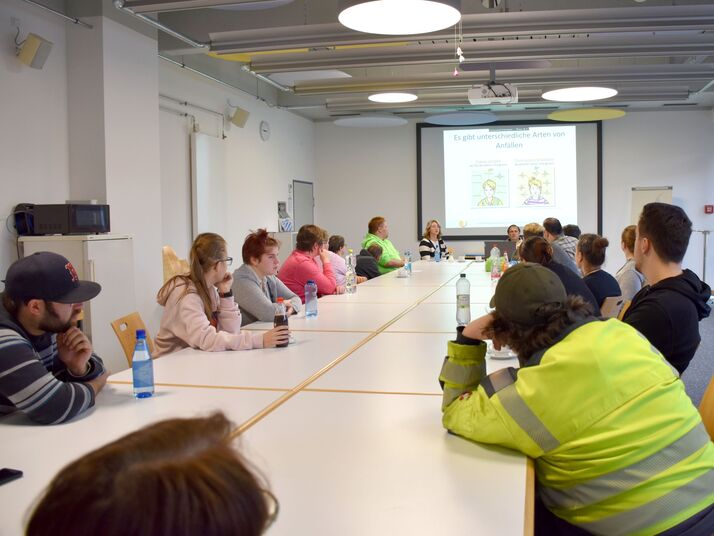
column 34, row 161
column 364, row 172
column 667, row 148
column 259, row 172
column 133, row 180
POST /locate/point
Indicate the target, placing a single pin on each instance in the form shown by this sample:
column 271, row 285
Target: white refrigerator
column 109, row 261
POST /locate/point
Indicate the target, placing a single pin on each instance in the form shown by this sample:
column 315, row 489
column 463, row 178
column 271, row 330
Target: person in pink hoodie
column 301, row 265
column 199, row 308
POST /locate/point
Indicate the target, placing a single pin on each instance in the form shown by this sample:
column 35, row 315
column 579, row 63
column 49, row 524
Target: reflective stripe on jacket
column 619, row 447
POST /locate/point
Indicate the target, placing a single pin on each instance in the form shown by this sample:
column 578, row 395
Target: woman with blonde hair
column 199, row 309
column 432, row 247
column 629, row 279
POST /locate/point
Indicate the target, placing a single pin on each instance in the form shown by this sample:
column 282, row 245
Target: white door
column 303, row 203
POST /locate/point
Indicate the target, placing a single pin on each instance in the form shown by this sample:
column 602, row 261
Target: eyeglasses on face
column 227, row 260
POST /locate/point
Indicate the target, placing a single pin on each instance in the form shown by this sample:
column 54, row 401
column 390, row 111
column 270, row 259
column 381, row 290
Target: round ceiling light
column 461, row 118
column 392, row 97
column 586, row 114
column 371, row 121
column 399, row 17
column 579, row 94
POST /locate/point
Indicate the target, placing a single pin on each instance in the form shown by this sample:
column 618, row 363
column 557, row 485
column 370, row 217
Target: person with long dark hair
column 200, row 310
column 537, row 249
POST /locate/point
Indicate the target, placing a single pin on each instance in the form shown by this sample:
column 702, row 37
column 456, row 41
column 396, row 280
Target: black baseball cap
column 47, row 276
column 524, row 289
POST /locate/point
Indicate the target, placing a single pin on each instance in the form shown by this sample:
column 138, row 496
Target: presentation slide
column 479, row 180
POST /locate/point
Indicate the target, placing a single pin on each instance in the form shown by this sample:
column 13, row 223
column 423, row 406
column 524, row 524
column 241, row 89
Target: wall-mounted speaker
column 239, row 117
column 34, row 51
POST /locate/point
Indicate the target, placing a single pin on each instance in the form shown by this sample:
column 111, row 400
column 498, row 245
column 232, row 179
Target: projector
column 493, row 94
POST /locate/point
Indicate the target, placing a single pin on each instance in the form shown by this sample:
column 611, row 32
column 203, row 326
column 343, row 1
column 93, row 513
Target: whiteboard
column 648, row 194
column 209, row 202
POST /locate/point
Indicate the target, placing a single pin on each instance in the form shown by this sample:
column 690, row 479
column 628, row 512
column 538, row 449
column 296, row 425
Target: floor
column 701, row 368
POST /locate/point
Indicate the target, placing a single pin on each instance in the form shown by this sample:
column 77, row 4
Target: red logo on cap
column 72, row 271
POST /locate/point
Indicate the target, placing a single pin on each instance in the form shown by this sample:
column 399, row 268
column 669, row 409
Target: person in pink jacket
column 301, row 265
column 199, row 309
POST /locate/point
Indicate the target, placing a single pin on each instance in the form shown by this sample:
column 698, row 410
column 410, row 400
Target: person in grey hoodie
column 669, row 309
column 255, row 285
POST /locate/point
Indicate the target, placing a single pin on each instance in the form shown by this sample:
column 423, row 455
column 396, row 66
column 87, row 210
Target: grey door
column 303, row 203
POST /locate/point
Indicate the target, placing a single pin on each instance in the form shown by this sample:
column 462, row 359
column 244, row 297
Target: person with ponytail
column 590, row 256
column 538, row 250
column 199, row 308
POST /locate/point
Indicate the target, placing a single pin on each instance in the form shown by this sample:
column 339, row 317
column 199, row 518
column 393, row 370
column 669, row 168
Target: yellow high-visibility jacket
column 618, row 446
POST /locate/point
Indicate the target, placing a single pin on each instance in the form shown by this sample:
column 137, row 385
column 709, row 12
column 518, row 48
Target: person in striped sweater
column 47, row 367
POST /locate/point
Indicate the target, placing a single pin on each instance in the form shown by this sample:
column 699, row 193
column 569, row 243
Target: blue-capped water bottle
column 408, row 262
column 310, row 298
column 142, row 367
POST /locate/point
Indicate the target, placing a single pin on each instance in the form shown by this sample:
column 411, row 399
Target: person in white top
column 199, row 309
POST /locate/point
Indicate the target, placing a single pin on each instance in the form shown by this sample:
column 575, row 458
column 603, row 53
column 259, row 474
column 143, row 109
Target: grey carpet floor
column 701, row 368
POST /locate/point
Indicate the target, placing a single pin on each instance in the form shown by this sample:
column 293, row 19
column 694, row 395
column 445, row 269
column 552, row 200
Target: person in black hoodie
column 367, row 262
column 668, row 310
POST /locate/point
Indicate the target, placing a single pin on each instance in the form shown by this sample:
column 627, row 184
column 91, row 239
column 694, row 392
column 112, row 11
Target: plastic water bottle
column 310, row 298
column 408, row 261
column 495, row 259
column 437, row 253
column 142, row 367
column 463, row 301
column 350, row 275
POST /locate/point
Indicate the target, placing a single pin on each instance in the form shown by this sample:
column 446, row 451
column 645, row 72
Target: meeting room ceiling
column 295, row 54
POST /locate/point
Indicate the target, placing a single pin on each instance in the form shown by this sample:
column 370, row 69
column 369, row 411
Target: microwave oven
column 70, row 219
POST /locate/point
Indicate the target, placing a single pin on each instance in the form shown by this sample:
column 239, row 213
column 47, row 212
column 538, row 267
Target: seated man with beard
column 47, row 367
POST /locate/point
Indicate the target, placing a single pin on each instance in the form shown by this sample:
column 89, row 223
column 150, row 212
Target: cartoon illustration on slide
column 490, row 188
column 536, row 187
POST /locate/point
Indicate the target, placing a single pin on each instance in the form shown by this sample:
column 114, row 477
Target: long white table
column 41, row 451
column 380, row 465
column 270, row 368
column 341, row 316
column 345, row 423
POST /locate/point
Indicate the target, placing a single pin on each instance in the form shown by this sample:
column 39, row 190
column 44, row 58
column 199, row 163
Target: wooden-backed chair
column 706, row 408
column 172, row 264
column 625, row 307
column 125, row 329
column 611, row 307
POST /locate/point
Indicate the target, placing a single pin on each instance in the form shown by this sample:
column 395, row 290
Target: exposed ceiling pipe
column 482, row 26
column 59, row 14
column 214, row 79
column 245, row 68
column 119, row 4
column 153, row 6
